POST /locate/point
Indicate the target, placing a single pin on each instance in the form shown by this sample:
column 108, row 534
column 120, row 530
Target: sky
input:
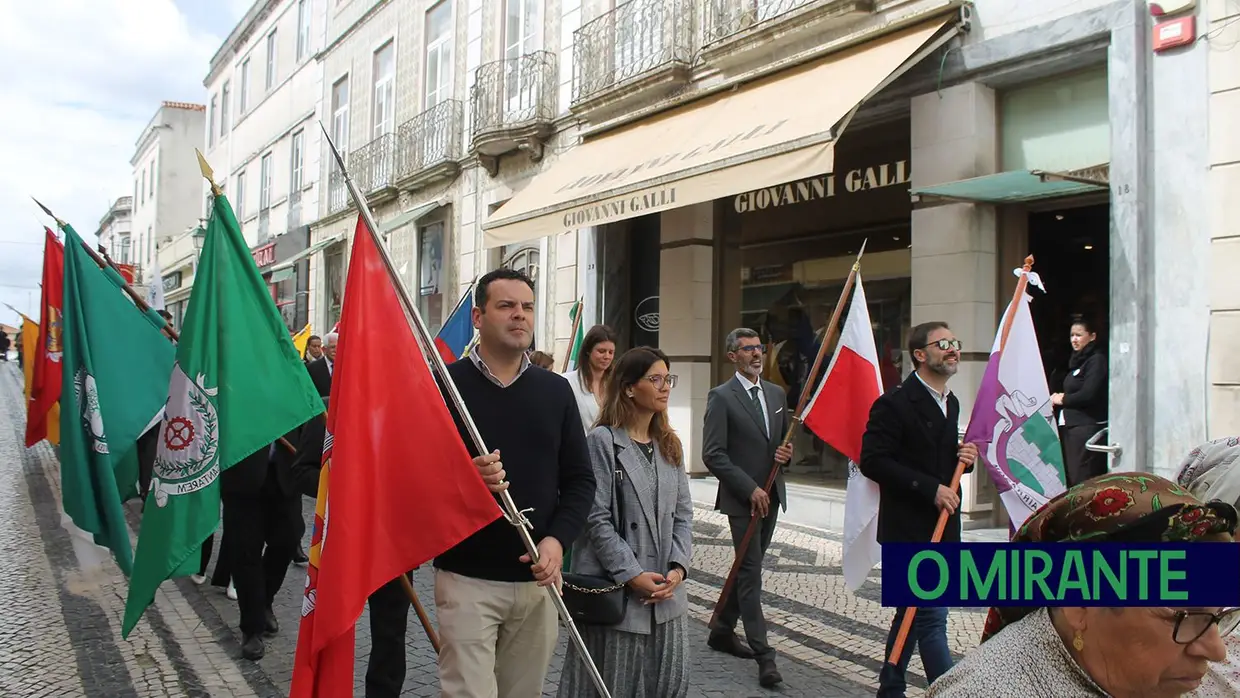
column 85, row 78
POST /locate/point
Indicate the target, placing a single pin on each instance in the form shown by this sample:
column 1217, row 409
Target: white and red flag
column 837, row 414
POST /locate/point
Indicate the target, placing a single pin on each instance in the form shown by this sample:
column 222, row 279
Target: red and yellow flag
column 45, row 386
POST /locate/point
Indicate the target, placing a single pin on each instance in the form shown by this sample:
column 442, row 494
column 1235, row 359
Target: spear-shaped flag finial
column 207, row 173
column 48, row 211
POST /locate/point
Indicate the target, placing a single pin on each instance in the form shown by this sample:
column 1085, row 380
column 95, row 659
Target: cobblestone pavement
column 61, row 634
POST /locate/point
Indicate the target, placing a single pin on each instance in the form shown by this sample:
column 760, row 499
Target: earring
column 1078, row 642
column 630, row 394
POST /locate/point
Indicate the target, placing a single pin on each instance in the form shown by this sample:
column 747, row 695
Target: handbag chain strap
column 617, row 473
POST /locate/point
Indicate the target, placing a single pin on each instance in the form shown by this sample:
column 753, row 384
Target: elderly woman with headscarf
column 1209, row 473
column 1103, row 652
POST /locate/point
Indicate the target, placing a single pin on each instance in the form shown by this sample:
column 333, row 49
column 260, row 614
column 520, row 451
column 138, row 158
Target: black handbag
column 597, row 600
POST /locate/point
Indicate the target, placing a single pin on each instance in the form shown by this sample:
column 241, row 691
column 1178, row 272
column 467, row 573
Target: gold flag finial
column 208, row 173
column 48, row 211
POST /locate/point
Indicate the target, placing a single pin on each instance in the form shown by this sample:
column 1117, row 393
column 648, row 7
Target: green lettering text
column 1168, row 575
column 1035, row 559
column 1073, row 576
column 970, row 577
column 944, row 576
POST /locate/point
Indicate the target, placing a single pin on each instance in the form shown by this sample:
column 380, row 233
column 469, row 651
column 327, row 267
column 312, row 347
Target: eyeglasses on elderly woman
column 1189, row 626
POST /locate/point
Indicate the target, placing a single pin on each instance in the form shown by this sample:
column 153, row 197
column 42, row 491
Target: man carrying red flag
column 45, row 391
column 385, row 505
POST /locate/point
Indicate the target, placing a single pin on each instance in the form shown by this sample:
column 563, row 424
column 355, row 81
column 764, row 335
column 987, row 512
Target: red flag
column 45, row 391
column 852, row 384
column 397, row 486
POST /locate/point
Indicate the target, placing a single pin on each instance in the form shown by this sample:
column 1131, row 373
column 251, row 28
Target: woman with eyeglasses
column 1083, row 404
column 1103, row 652
column 638, row 541
column 1209, row 473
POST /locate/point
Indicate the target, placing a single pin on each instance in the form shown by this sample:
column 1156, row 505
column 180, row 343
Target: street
column 65, row 597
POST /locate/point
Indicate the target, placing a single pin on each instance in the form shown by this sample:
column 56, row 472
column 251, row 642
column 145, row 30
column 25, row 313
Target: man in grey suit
column 746, row 419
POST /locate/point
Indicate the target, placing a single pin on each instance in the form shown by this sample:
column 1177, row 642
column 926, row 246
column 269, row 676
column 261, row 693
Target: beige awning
column 774, row 130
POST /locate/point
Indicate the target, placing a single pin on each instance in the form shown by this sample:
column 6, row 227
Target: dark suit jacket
column 246, row 478
column 736, row 449
column 309, row 460
column 321, row 376
column 909, row 449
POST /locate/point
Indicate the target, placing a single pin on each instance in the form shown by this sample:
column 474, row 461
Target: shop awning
column 281, row 275
column 1016, row 187
column 410, row 216
column 306, row 253
column 777, row 129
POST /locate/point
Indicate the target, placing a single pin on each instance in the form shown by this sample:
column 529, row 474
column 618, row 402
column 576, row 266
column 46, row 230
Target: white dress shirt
column 749, row 385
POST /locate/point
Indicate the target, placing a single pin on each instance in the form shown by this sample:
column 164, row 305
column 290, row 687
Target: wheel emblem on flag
column 92, row 417
column 188, row 457
column 179, row 434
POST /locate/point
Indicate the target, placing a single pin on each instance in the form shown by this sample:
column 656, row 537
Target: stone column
column 686, row 305
column 954, row 137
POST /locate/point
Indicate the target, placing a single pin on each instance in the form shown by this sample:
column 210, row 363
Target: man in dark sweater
column 498, row 626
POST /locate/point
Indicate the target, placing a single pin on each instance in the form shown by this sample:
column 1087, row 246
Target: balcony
column 642, row 51
column 337, row 192
column 429, row 146
column 514, row 107
column 735, row 32
column 373, row 167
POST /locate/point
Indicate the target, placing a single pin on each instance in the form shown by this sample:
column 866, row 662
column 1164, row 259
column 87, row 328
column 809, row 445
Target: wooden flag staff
column 906, row 623
column 806, row 392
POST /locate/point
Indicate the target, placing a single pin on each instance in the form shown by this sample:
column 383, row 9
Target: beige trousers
column 496, row 638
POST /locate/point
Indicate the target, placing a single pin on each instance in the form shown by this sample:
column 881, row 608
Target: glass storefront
column 792, row 247
column 333, row 264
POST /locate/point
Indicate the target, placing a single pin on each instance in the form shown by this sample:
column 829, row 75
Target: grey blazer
column 659, row 533
column 736, row 449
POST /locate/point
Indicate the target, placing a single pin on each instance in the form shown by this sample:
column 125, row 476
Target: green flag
column 579, row 334
column 237, row 386
column 115, row 370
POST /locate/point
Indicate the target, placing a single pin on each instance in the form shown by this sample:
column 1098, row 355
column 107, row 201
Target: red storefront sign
column 264, row 256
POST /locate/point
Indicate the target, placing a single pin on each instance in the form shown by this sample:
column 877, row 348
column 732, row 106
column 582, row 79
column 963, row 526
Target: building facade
column 166, row 198
column 717, row 163
column 115, row 230
column 263, row 138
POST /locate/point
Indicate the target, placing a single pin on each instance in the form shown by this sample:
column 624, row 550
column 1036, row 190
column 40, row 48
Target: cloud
column 88, row 77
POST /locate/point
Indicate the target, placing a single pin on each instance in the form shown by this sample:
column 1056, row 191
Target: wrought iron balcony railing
column 727, row 17
column 430, row 138
column 636, row 37
column 373, row 164
column 514, row 91
column 337, row 193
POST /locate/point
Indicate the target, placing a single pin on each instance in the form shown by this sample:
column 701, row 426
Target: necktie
column 756, row 396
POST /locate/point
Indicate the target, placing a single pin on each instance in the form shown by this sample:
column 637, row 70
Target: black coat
column 321, row 376
column 909, row 449
column 309, row 460
column 1085, row 387
column 247, row 477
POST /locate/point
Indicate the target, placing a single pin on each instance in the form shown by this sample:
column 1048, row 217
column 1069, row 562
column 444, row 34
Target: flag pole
column 806, row 392
column 568, row 355
column 906, row 624
column 133, row 295
column 426, row 342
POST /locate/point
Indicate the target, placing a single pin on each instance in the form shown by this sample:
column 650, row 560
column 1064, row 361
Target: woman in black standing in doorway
column 1083, row 404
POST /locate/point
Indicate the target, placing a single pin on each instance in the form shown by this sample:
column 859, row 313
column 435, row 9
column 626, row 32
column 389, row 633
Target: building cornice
column 148, row 133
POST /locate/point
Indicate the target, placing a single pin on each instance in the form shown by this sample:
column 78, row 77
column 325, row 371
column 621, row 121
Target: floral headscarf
column 1117, row 507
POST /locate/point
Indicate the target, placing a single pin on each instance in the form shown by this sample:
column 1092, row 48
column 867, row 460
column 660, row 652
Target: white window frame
column 272, row 60
column 239, row 196
column 303, row 29
column 438, row 87
column 243, row 95
column 297, row 155
column 526, row 39
column 142, row 184
column 264, row 182
column 211, row 117
column 383, row 92
column 225, row 99
column 340, row 114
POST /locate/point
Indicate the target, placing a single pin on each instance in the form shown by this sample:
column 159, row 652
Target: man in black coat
column 262, row 507
column 389, row 605
column 321, row 369
column 910, row 449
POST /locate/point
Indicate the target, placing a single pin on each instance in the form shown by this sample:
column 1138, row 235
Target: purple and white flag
column 1012, row 424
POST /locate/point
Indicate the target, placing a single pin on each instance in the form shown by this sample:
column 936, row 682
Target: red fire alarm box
column 1175, row 33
